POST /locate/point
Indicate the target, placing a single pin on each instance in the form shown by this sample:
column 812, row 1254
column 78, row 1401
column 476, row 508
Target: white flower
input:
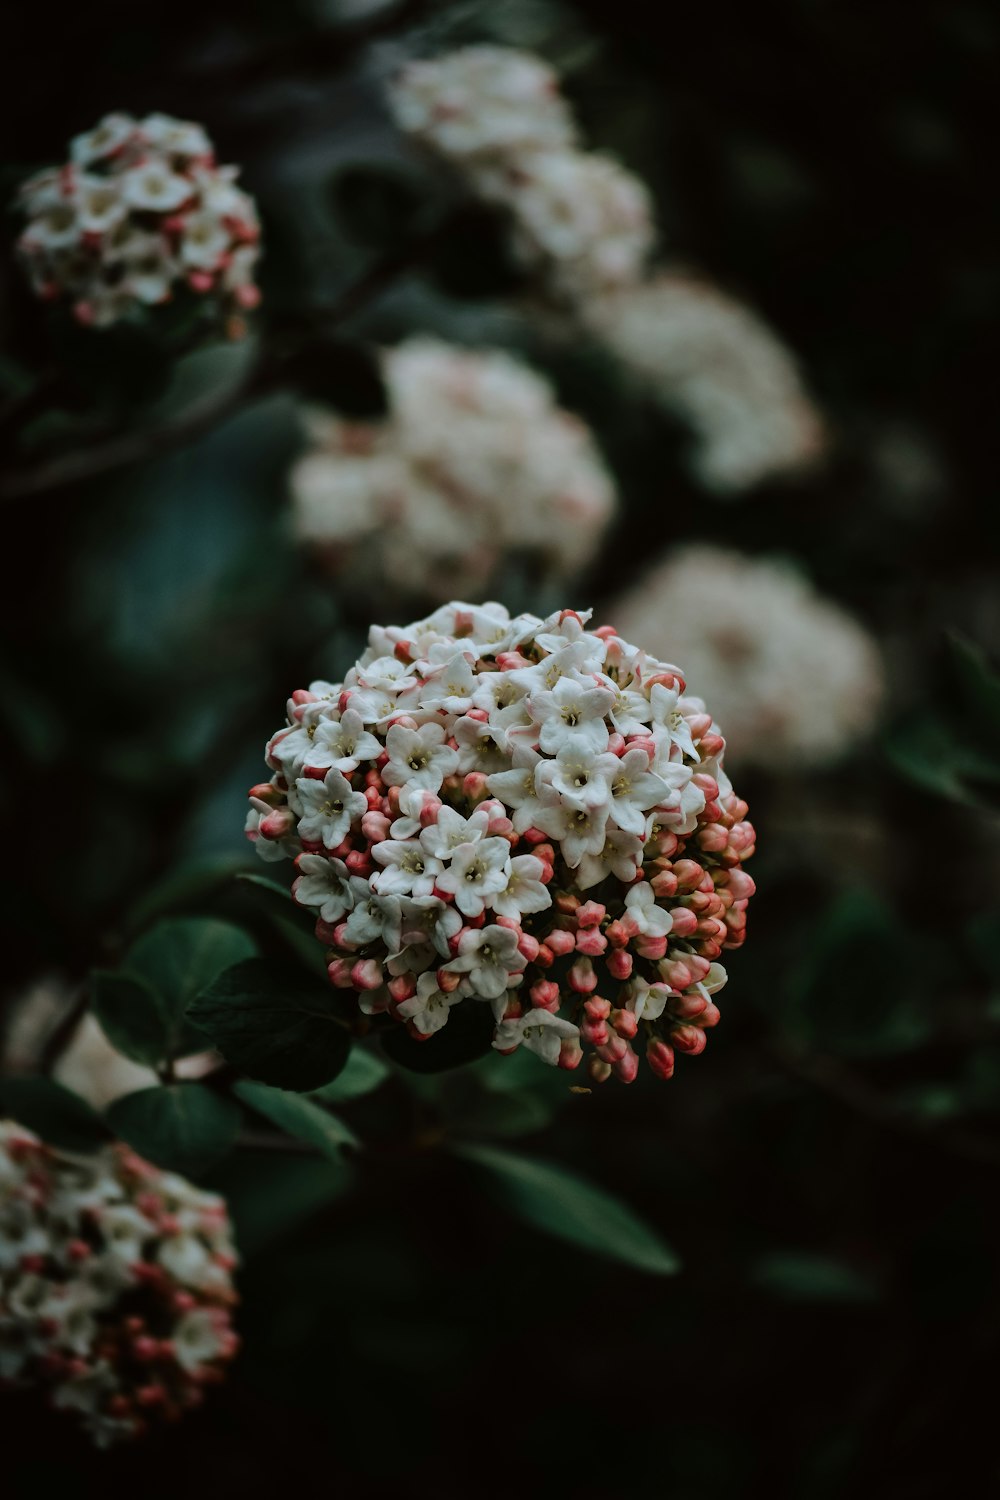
column 418, row 757
column 525, row 890
column 430, row 1006
column 99, row 205
column 443, row 837
column 323, row 883
column 328, row 808
column 648, row 1000
column 572, row 714
column 176, row 137
column 643, row 912
column 621, row 856
column 408, row 870
column 342, row 744
column 478, row 872
column 429, row 919
column 580, row 830
column 105, row 139
column 374, row 918
column 154, row 187
column 197, row 1339
column 635, row 789
column 518, row 788
column 481, row 747
column 490, row 957
column 581, row 775
column 538, row 1030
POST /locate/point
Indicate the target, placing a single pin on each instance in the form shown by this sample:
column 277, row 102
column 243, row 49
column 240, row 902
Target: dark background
column 828, row 1171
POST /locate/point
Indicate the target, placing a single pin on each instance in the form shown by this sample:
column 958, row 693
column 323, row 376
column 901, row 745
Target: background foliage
column 826, row 1176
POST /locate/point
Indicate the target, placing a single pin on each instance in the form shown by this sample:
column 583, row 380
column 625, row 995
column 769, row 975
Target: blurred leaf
column 858, row 988
column 271, row 1196
column 363, row 1072
column 191, row 883
column 132, row 1015
column 799, row 1277
column 562, row 1204
column 467, row 1036
column 474, row 258
column 379, row 204
column 183, row 1126
column 928, row 752
column 57, row 1115
column 293, row 924
column 274, row 1023
column 983, row 936
column 979, row 685
column 300, row 1117
column 179, row 958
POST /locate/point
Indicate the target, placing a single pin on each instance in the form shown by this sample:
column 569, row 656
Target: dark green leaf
column 57, row 1115
column 364, row 1072
column 979, row 685
column 562, row 1204
column 131, row 1014
column 272, row 1195
column 799, row 1277
column 378, row 204
column 467, row 1036
column 183, row 1126
column 275, row 1023
column 300, row 1117
column 178, row 958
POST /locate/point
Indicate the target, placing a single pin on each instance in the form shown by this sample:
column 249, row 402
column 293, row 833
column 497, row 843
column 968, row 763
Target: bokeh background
column 828, row 1171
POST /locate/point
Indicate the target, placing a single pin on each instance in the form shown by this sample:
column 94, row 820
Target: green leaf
column 272, row 1196
column 183, row 1126
column 378, row 204
column 275, row 1023
column 799, row 1277
column 979, row 685
column 292, row 923
column 57, row 1115
column 927, row 751
column 300, row 1117
column 467, row 1036
column 131, row 1014
column 363, row 1073
column 562, row 1204
column 180, row 957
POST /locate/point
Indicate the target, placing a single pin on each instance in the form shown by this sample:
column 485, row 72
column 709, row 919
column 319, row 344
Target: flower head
column 545, row 827
column 139, row 211
column 116, row 1295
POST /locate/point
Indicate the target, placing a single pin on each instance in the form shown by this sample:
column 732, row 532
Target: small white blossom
column 326, row 809
column 539, row 1031
column 477, row 872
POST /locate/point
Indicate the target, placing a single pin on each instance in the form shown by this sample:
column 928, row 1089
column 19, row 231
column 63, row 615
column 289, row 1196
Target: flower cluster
column 796, row 679
column 115, row 1285
column 474, row 463
column 519, row 812
column 140, row 209
column 722, row 370
column 580, row 219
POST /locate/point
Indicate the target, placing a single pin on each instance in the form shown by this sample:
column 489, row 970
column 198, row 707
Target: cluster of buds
column 519, row 812
column 580, row 220
column 115, row 1285
column 474, row 465
column 797, row 680
column 138, row 211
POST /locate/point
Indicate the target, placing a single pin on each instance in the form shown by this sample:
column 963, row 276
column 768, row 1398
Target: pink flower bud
column 339, row 971
column 375, row 826
column 277, row 824
column 560, row 942
column 650, row 947
column 689, row 1039
column 620, row 964
column 660, row 1058
column 528, row 946
column 359, row 862
column 599, row 1070
column 684, row 921
column 544, row 995
column 614, row 1049
column 447, row 981
column 625, row 1023
column 403, row 987
column 582, row 978
column 591, row 941
column 367, row 974
column 474, row 786
column 594, row 1033
column 570, row 1053
column 626, row 1068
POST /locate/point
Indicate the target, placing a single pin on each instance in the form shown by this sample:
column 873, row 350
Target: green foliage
column 183, row 1126
column 795, row 1276
column 142, row 1006
column 276, row 1025
column 272, row 1196
column 957, row 756
column 299, row 1117
column 363, row 1072
column 562, row 1204
column 380, row 204
column 57, row 1115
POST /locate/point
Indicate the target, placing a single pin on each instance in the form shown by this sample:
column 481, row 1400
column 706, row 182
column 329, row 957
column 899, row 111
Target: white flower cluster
column 139, row 210
column 115, row 1285
column 723, row 371
column 580, row 219
column 474, row 462
column 797, row 680
column 519, row 812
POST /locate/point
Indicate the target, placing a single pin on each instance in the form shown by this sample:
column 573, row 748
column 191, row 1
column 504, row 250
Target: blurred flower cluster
column 474, row 464
column 452, row 805
column 140, row 210
column 115, row 1284
column 579, row 218
column 796, row 680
